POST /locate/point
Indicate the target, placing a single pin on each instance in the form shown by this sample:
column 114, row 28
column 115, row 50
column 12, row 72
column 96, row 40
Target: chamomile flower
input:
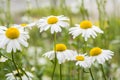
column 62, row 54
column 3, row 59
column 55, row 23
column 86, row 29
column 14, row 75
column 24, row 25
column 100, row 55
column 12, row 38
column 83, row 61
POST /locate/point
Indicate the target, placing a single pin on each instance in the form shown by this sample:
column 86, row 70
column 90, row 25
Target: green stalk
column 60, row 71
column 85, row 50
column 55, row 56
column 82, row 75
column 91, row 73
column 78, row 46
column 78, row 73
column 103, row 72
column 12, row 54
column 17, row 65
column 11, row 69
column 85, row 47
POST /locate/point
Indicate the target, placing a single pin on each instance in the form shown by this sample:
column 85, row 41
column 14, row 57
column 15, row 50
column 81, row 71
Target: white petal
column 50, row 55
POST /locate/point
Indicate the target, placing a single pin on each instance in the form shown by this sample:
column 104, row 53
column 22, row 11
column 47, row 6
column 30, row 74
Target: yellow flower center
column 86, row 24
column 60, row 47
column 80, row 58
column 95, row 51
column 12, row 33
column 23, row 25
column 52, row 20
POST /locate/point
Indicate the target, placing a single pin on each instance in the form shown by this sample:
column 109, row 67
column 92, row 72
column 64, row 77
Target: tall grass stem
column 12, row 54
column 55, row 62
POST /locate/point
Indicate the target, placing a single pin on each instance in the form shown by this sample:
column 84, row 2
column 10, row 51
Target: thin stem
column 78, row 46
column 25, row 73
column 55, row 56
column 15, row 65
column 91, row 73
column 78, row 73
column 85, row 47
column 103, row 71
column 82, row 75
column 10, row 68
column 54, row 69
column 60, row 71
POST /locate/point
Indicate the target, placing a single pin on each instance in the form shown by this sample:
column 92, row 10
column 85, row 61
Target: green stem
column 78, row 46
column 91, row 74
column 103, row 71
column 15, row 65
column 55, row 56
column 78, row 73
column 85, row 47
column 82, row 75
column 60, row 71
column 10, row 68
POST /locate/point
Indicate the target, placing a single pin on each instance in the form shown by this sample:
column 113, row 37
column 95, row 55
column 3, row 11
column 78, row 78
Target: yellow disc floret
column 86, row 24
column 95, row 51
column 12, row 33
column 23, row 25
column 80, row 58
column 60, row 47
column 52, row 20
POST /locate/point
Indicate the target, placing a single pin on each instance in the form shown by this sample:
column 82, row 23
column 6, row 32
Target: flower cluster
column 13, row 37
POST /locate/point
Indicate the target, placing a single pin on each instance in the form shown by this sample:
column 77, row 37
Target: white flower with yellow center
column 100, row 55
column 83, row 61
column 3, row 59
column 86, row 28
column 24, row 25
column 62, row 54
column 55, row 23
column 12, row 38
column 14, row 75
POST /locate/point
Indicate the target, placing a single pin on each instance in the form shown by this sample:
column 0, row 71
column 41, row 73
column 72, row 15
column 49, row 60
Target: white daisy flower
column 12, row 38
column 83, row 61
column 62, row 54
column 100, row 55
column 14, row 75
column 86, row 28
column 26, row 25
column 3, row 59
column 55, row 23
